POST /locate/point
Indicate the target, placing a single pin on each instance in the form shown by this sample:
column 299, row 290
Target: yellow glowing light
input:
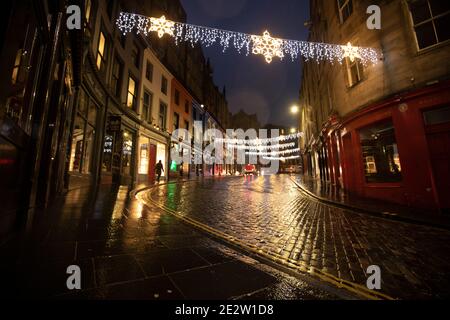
column 351, row 52
column 295, row 109
column 162, row 26
column 293, row 130
column 267, row 46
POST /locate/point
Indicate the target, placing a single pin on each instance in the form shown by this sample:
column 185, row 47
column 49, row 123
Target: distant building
column 381, row 131
column 245, row 121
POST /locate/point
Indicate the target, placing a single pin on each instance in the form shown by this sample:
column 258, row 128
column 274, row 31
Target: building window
column 83, row 136
column 345, row 9
column 186, row 107
column 176, row 121
column 147, row 106
column 162, row 116
column 131, row 97
column 149, row 72
column 437, row 116
column 431, row 19
column 110, row 8
column 164, row 85
column 16, row 67
column 135, row 56
column 380, row 153
column 177, row 97
column 355, row 71
column 101, row 52
column 186, row 126
column 88, row 10
column 116, row 77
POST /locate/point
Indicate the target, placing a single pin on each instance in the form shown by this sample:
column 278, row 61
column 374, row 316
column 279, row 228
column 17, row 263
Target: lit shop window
column 161, row 156
column 127, row 153
column 380, row 153
column 131, row 97
column 431, row 20
column 83, row 136
column 143, row 156
column 345, row 9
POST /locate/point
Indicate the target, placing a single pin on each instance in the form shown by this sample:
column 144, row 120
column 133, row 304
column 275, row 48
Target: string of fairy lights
column 265, row 45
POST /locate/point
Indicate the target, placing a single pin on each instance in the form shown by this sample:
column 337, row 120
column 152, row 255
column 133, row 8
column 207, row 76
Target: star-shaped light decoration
column 351, row 52
column 162, row 26
column 267, row 46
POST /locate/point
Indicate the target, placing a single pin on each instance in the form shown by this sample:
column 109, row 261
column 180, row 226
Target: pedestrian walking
column 159, row 169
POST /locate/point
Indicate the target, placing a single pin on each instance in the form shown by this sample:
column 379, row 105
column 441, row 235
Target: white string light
column 274, row 153
column 262, row 148
column 258, row 141
column 264, row 45
column 281, row 158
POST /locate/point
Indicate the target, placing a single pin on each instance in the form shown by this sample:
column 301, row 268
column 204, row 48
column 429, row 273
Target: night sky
column 252, row 84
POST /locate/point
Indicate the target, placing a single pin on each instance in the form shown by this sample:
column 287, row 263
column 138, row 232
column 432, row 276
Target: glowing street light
column 295, row 109
column 293, row 130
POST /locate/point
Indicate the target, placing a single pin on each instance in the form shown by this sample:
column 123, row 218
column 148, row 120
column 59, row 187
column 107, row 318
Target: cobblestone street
column 273, row 215
column 126, row 250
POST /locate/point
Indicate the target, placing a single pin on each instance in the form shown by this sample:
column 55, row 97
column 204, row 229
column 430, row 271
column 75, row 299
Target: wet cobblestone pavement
column 271, row 214
column 130, row 251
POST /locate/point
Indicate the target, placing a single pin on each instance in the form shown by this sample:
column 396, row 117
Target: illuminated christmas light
column 281, row 158
column 350, row 52
column 265, row 45
column 273, row 153
column 258, row 141
column 262, row 148
column 162, row 26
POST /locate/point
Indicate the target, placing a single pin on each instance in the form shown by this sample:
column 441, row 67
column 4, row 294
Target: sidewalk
column 333, row 195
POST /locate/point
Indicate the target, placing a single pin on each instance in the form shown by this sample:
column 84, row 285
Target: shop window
column 345, row 9
column 131, row 96
column 107, row 152
column 127, row 153
column 83, row 136
column 116, row 77
column 164, row 85
column 437, row 116
column 147, row 106
column 431, row 20
column 143, row 155
column 380, row 153
column 162, row 116
column 77, row 144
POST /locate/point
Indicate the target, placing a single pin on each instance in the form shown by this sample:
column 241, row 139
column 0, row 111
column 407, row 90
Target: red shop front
column 399, row 150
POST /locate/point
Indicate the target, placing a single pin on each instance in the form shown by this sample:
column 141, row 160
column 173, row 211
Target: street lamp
column 293, row 130
column 295, row 109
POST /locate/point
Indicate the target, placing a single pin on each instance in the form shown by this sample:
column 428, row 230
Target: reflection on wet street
column 128, row 250
column 271, row 214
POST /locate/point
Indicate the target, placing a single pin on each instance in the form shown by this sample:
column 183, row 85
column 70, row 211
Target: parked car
column 250, row 169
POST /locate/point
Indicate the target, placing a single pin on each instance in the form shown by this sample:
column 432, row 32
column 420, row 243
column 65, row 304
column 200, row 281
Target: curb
column 387, row 216
column 273, row 258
